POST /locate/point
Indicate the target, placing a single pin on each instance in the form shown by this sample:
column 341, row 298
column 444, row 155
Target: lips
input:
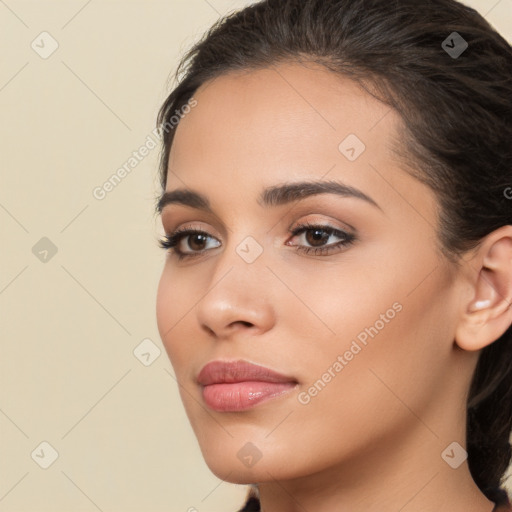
column 218, row 372
column 239, row 385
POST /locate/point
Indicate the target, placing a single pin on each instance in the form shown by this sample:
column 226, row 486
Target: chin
column 238, row 476
column 240, row 461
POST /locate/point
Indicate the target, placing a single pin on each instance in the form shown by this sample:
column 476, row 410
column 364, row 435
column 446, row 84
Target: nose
column 238, row 300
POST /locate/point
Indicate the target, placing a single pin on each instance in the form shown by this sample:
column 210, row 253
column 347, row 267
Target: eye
column 187, row 243
column 318, row 236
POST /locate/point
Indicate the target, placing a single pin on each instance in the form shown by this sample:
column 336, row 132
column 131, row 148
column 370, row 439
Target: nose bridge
column 238, row 291
column 245, row 254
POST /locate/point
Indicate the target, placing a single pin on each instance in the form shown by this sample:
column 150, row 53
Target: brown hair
column 457, row 138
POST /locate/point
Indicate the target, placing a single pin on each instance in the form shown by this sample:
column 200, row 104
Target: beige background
column 70, row 324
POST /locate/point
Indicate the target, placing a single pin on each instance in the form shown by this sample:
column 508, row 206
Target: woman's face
column 362, row 324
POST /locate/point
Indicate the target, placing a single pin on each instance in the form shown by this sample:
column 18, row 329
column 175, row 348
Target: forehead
column 289, row 122
column 289, row 107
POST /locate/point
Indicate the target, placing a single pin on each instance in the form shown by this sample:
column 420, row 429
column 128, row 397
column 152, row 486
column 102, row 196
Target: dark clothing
column 499, row 496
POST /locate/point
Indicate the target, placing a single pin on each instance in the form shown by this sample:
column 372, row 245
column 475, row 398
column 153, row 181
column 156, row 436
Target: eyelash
column 171, row 242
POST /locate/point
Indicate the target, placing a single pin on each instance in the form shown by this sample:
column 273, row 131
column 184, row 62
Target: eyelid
column 326, row 221
column 325, row 215
column 192, row 226
column 190, row 218
column 308, row 225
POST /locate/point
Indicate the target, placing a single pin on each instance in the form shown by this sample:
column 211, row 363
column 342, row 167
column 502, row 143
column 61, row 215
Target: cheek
column 171, row 310
column 391, row 327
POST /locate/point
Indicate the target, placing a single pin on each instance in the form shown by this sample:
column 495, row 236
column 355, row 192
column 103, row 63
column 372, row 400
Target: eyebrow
column 272, row 196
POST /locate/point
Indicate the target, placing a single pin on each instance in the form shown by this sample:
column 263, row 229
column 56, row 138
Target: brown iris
column 317, row 237
column 197, row 241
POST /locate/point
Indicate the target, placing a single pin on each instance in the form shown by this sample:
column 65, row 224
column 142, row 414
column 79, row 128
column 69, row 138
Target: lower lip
column 240, row 396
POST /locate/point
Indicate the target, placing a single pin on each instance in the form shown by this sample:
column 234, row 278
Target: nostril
column 238, row 324
column 209, row 330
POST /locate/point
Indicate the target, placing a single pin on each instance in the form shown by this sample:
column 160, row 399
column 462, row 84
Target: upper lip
column 217, row 372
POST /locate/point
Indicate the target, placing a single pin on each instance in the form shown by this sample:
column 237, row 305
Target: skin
column 372, row 439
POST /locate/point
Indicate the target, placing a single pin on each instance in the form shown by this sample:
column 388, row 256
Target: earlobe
column 488, row 314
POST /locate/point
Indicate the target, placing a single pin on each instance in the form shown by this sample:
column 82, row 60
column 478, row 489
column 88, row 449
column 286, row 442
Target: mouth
column 230, row 386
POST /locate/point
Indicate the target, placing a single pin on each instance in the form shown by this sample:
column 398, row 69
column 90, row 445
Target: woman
column 336, row 299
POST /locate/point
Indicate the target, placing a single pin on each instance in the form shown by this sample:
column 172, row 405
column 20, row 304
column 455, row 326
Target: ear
column 487, row 313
